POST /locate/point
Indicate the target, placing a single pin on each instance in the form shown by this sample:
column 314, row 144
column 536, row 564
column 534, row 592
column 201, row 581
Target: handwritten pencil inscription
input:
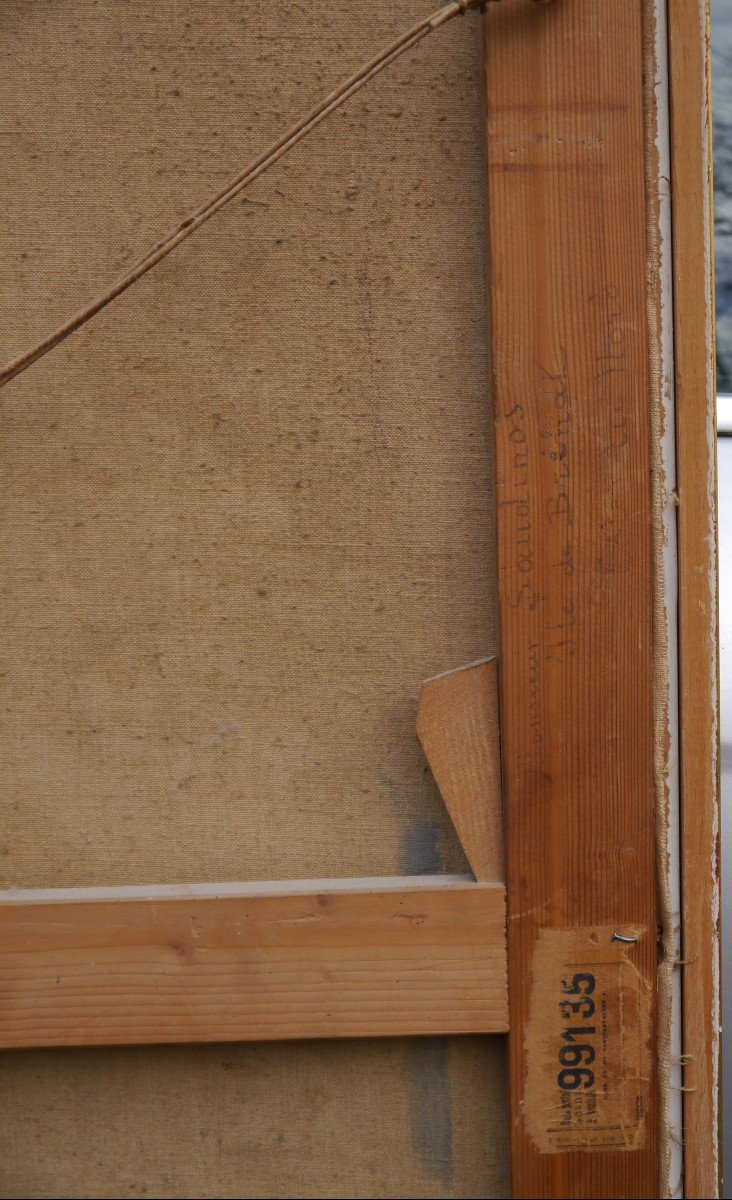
column 559, row 495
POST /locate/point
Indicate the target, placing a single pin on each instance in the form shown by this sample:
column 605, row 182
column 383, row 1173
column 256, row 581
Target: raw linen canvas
column 243, row 514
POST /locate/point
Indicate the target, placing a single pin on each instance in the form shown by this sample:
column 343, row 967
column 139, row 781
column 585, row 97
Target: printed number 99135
column 576, row 1051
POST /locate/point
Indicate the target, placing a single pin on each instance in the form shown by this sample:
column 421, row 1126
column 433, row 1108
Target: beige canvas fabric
column 244, row 513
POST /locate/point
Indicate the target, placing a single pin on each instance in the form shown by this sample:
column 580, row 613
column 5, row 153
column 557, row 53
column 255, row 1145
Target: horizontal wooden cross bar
column 331, row 958
column 269, row 961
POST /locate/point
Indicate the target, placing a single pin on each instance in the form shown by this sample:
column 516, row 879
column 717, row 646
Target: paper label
column 588, row 1051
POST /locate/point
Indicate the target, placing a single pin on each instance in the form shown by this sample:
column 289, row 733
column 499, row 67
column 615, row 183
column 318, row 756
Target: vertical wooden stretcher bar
column 569, row 351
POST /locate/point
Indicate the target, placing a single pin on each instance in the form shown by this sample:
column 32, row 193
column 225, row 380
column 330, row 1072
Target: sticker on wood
column 588, row 1056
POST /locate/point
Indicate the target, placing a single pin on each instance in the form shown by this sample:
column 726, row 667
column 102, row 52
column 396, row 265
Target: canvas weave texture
column 244, row 513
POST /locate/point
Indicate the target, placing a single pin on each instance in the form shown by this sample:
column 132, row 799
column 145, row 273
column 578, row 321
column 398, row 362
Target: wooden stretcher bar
column 569, row 352
column 252, row 962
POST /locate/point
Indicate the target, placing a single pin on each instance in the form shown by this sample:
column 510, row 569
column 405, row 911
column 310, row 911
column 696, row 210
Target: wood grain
column 457, row 724
column 252, row 963
column 698, row 675
column 569, row 343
